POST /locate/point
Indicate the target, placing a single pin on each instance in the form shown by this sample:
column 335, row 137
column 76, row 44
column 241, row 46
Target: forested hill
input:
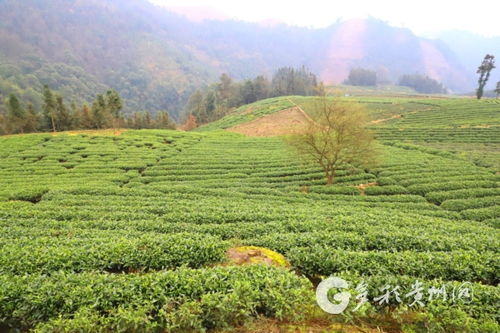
column 155, row 59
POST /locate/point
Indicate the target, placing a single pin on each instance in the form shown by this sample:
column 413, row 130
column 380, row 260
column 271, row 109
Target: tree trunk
column 53, row 124
column 329, row 176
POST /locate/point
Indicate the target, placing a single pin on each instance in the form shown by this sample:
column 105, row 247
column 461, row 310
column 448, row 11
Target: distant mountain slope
column 471, row 48
column 156, row 58
column 389, row 50
column 129, row 45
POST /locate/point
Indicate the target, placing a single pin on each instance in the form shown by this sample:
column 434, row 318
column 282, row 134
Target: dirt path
column 301, row 110
column 378, row 121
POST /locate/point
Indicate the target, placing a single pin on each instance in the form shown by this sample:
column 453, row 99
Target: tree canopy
column 55, row 114
column 336, row 137
column 484, row 71
column 362, row 77
column 422, row 84
column 216, row 100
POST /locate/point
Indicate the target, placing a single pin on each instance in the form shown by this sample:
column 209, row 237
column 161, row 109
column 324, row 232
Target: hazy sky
column 421, row 16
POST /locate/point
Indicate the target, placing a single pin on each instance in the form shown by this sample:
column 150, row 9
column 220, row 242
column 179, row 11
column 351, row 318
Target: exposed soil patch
column 244, row 255
column 378, row 121
column 362, row 187
column 249, row 110
column 289, row 121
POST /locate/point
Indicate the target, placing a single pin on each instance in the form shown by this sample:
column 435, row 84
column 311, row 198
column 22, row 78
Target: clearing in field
column 288, row 121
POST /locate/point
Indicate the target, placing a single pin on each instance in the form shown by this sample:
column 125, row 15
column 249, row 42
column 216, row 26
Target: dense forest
column 204, row 105
column 215, row 101
column 156, row 59
column 55, row 115
column 422, row 84
column 362, row 77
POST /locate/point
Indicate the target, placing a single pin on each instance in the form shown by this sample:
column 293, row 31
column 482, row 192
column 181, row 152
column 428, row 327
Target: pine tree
column 63, row 117
column 210, row 105
column 147, row 119
column 15, row 114
column 224, row 87
column 99, row 112
column 74, row 113
column 137, row 121
column 114, row 102
column 163, row 121
column 247, row 92
column 49, row 109
column 289, row 81
column 197, row 107
column 484, row 71
column 114, row 105
column 86, row 121
column 32, row 119
column 261, row 87
column 3, row 124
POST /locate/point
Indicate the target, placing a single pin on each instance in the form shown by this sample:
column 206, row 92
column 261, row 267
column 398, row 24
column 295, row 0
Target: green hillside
column 103, row 231
column 466, row 127
column 247, row 113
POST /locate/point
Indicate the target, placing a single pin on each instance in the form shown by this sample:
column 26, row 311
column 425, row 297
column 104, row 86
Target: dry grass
column 362, row 187
column 289, row 121
column 243, row 255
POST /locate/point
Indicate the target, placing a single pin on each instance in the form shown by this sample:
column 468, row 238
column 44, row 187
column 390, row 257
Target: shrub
column 212, row 298
column 348, row 190
column 463, row 204
column 481, row 214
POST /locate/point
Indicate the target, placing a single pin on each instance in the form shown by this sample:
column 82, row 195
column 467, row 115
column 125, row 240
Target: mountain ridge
column 156, row 58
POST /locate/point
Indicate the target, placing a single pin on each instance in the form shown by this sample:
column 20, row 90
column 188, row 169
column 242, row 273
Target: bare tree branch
column 337, row 136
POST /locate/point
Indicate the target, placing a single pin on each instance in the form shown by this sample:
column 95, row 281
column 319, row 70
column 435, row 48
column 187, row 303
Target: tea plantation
column 129, row 232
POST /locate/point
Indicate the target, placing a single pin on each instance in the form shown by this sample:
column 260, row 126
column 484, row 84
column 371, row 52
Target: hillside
column 460, row 43
column 445, row 123
column 156, row 58
column 133, row 230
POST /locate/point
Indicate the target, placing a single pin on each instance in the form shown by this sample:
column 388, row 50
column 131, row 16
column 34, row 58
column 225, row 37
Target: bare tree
column 497, row 89
column 336, row 137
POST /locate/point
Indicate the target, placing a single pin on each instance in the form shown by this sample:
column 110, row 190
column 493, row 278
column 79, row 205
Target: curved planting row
column 148, row 203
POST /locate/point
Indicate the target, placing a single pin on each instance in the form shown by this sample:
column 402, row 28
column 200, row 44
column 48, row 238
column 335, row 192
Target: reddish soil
column 289, row 121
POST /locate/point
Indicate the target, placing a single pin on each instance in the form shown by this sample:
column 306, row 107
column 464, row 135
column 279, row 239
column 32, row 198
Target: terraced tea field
column 130, row 232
